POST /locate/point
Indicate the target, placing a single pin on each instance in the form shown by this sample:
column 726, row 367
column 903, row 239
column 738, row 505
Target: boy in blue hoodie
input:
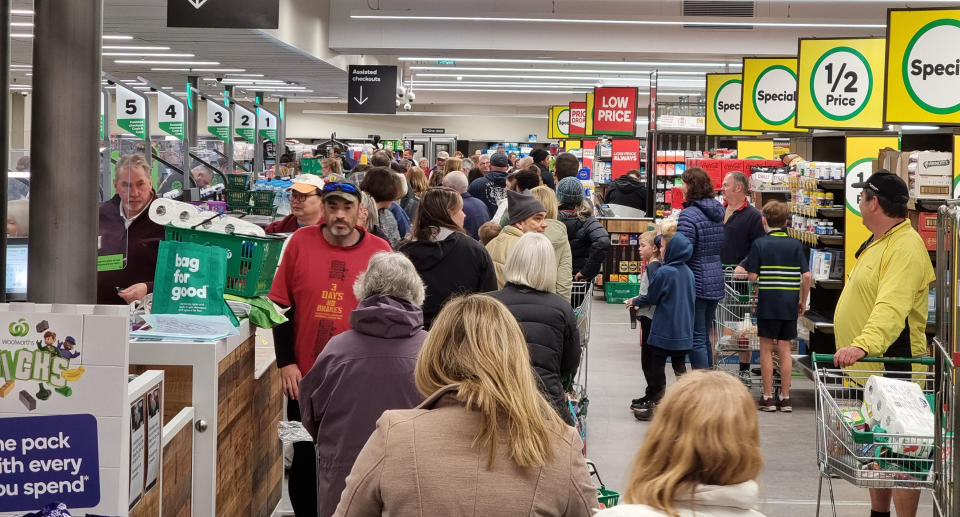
column 672, row 290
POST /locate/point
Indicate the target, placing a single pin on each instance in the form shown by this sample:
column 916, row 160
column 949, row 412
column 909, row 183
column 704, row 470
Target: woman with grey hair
column 546, row 319
column 364, row 371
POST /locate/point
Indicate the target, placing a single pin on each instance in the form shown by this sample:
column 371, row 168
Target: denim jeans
column 704, row 313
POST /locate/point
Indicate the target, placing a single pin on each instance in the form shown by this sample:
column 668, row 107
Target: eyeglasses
column 341, row 186
column 297, row 196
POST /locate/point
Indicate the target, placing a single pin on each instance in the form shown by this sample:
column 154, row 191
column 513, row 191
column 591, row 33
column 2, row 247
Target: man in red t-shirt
column 315, row 280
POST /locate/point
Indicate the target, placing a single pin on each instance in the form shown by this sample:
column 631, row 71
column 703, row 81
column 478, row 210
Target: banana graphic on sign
column 73, row 374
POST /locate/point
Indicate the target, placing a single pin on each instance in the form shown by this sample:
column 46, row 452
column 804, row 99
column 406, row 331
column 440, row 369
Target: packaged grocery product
column 854, row 419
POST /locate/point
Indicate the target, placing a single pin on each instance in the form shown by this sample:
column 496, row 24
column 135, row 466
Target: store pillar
column 193, row 101
column 62, row 264
column 5, row 6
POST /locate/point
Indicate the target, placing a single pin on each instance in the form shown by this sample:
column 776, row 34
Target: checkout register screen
column 16, row 268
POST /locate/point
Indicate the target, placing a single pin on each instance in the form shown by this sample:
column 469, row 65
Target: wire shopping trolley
column 581, row 298
column 848, row 448
column 946, row 502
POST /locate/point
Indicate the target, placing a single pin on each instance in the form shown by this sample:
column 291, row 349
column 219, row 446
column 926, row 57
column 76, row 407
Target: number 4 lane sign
column 170, row 115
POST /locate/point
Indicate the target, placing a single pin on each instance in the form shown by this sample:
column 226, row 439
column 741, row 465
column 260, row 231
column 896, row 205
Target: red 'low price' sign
column 615, row 111
column 626, row 156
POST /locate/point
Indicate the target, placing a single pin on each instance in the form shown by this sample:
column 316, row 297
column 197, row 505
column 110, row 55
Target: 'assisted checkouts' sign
column 44, row 459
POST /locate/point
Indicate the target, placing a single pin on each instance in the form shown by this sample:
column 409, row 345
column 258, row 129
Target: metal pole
column 5, row 6
column 62, row 265
column 193, row 101
column 282, row 132
column 258, row 161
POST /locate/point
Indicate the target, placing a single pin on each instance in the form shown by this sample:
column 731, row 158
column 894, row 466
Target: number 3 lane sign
column 836, row 79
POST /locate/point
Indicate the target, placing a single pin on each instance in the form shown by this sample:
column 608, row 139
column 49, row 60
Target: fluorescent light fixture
column 586, row 79
column 267, row 87
column 681, row 64
column 501, row 83
column 197, row 70
column 246, row 75
column 918, row 128
column 23, row 12
column 21, row 66
column 21, row 24
column 21, row 35
column 141, row 54
column 132, row 47
column 117, row 37
column 501, row 91
column 276, row 90
column 672, row 23
column 427, row 113
column 163, row 62
column 229, row 80
column 558, row 70
column 166, row 87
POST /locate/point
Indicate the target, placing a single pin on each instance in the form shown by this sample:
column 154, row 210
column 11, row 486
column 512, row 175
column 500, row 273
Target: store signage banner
column 170, row 115
column 862, row 151
column 589, row 115
column 267, row 125
column 626, row 156
column 681, row 122
column 578, row 119
column 558, row 122
column 724, row 98
column 218, row 120
column 103, row 116
column 615, row 111
column 923, row 66
column 841, row 83
column 131, row 112
column 755, row 150
column 652, row 111
column 49, row 458
column 245, row 126
column 235, row 14
column 769, row 98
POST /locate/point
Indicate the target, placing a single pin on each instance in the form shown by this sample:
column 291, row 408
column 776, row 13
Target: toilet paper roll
column 186, row 215
column 232, row 225
column 162, row 210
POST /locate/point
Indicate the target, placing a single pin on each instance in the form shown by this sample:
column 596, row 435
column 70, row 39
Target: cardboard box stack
column 928, row 174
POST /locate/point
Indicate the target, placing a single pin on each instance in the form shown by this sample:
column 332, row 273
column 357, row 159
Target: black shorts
column 777, row 329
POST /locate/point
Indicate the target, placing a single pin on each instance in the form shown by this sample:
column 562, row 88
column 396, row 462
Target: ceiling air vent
column 719, row 10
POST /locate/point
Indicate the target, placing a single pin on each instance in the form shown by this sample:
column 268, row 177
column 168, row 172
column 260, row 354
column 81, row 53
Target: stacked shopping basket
column 240, row 198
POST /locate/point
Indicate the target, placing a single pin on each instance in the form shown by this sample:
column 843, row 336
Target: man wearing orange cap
column 306, row 209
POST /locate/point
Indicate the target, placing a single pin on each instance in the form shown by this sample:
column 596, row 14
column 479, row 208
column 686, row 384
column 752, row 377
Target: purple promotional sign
column 44, row 459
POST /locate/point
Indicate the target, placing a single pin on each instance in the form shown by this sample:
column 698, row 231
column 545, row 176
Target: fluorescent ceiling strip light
column 557, row 70
column 142, row 54
column 163, row 62
column 21, row 35
column 21, row 24
column 117, row 37
column 427, row 113
column 132, row 47
column 246, row 75
column 197, row 70
column 21, row 66
column 501, row 91
column 228, row 80
column 468, row 84
column 573, row 62
column 22, row 12
column 671, row 23
column 274, row 90
column 588, row 79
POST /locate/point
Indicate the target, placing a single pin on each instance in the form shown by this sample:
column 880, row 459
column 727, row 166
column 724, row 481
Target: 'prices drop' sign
column 615, row 111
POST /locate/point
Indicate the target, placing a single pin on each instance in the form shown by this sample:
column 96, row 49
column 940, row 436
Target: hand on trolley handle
column 848, row 355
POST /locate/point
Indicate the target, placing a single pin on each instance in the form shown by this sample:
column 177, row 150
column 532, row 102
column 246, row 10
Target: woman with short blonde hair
column 549, row 326
column 330, row 166
column 557, row 233
column 452, row 164
column 483, row 410
column 686, row 465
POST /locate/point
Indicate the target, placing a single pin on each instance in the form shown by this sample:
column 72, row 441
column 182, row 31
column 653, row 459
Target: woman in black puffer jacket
column 589, row 241
column 546, row 319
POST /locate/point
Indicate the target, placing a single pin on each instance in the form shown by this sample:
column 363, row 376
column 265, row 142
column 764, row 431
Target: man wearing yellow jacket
column 882, row 310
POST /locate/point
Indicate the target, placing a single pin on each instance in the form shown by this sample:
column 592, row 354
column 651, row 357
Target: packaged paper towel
column 899, row 407
column 906, row 430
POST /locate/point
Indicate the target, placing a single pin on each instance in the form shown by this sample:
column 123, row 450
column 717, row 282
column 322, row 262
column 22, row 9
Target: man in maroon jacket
column 306, row 209
column 125, row 229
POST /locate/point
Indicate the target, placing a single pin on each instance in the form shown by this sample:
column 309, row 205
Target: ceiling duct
column 713, row 9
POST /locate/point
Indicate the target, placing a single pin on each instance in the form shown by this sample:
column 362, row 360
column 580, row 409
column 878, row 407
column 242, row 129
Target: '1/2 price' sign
column 615, row 111
column 836, row 83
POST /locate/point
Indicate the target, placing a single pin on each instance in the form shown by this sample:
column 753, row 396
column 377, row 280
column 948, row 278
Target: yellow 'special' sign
column 724, row 98
column 558, row 120
column 841, row 83
column 769, row 101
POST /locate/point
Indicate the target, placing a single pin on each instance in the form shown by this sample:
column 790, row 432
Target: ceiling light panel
column 679, row 64
column 132, row 47
column 669, row 23
column 143, row 54
column 197, row 70
column 163, row 62
column 560, row 70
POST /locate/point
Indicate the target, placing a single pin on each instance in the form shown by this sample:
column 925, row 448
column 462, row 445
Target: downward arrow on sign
column 361, row 100
column 197, row 3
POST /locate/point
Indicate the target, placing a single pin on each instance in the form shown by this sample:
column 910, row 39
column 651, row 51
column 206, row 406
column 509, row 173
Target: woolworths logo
column 19, row 328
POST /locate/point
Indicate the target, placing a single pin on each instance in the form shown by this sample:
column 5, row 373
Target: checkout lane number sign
column 170, row 115
column 131, row 112
column 923, row 66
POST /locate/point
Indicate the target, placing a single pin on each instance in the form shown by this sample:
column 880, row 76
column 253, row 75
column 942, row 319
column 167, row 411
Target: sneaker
column 746, row 378
column 644, row 412
column 638, row 403
column 767, row 404
column 785, row 405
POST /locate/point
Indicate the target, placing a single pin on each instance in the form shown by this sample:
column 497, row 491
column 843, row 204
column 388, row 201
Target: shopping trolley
column 865, row 458
column 946, row 502
column 581, row 298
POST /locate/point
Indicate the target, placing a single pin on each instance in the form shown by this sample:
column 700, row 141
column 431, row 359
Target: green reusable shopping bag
column 190, row 279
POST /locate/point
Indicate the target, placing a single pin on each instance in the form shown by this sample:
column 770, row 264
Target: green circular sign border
column 756, row 83
column 717, row 114
column 557, row 121
column 847, row 173
column 866, row 100
column 906, row 75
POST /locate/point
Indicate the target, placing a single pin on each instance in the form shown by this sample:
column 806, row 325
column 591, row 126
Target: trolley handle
column 828, row 358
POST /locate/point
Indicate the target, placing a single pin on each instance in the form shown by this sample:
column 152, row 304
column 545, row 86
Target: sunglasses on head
column 341, row 186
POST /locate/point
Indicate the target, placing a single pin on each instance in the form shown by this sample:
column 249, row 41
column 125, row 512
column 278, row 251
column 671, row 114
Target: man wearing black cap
column 882, row 310
column 527, row 214
column 541, row 158
column 490, row 187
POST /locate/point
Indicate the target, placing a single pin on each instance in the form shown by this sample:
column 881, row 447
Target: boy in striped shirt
column 779, row 266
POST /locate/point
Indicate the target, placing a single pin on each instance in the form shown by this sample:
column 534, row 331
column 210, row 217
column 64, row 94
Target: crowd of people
column 429, row 326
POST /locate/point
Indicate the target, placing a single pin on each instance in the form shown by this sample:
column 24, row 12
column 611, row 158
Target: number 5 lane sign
column 131, row 112
column 837, row 80
column 923, row 66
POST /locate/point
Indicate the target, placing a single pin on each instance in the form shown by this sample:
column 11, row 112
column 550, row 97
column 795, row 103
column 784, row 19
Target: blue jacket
column 671, row 290
column 403, row 222
column 476, row 213
column 702, row 223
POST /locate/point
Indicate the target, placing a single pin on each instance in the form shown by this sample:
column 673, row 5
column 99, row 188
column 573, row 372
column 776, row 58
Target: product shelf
column 829, row 283
column 814, row 321
column 832, row 184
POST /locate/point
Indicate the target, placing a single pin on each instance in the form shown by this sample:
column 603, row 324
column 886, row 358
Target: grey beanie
column 499, row 160
column 570, row 191
column 521, row 206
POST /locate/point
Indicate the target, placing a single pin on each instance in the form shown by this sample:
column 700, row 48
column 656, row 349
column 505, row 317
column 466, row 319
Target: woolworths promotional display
column 63, row 411
column 724, row 97
column 841, row 83
column 769, row 101
column 923, row 66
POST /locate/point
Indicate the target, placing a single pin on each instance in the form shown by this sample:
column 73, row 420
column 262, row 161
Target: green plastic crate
column 237, row 197
column 263, row 198
column 251, row 261
column 238, row 181
column 262, row 210
column 619, row 292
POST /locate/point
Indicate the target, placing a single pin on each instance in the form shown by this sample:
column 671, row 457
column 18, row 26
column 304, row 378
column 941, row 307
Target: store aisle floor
column 789, row 480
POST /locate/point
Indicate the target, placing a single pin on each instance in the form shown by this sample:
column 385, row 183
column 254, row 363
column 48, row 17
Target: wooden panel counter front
column 237, row 461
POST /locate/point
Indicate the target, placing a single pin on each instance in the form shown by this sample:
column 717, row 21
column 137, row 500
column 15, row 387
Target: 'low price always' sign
column 615, row 111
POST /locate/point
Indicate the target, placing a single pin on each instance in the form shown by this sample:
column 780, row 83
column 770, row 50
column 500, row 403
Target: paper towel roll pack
column 900, row 408
column 184, row 215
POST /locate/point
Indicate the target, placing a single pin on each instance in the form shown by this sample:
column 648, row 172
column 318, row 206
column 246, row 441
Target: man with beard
column 315, row 280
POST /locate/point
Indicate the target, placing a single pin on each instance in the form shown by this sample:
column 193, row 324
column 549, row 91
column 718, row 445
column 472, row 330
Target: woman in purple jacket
column 364, row 371
column 701, row 221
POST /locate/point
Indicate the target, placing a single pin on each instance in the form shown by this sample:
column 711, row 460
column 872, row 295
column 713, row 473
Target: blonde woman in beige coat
column 485, row 442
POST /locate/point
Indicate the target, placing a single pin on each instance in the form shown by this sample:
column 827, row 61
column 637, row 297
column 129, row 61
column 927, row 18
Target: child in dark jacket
column 672, row 290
